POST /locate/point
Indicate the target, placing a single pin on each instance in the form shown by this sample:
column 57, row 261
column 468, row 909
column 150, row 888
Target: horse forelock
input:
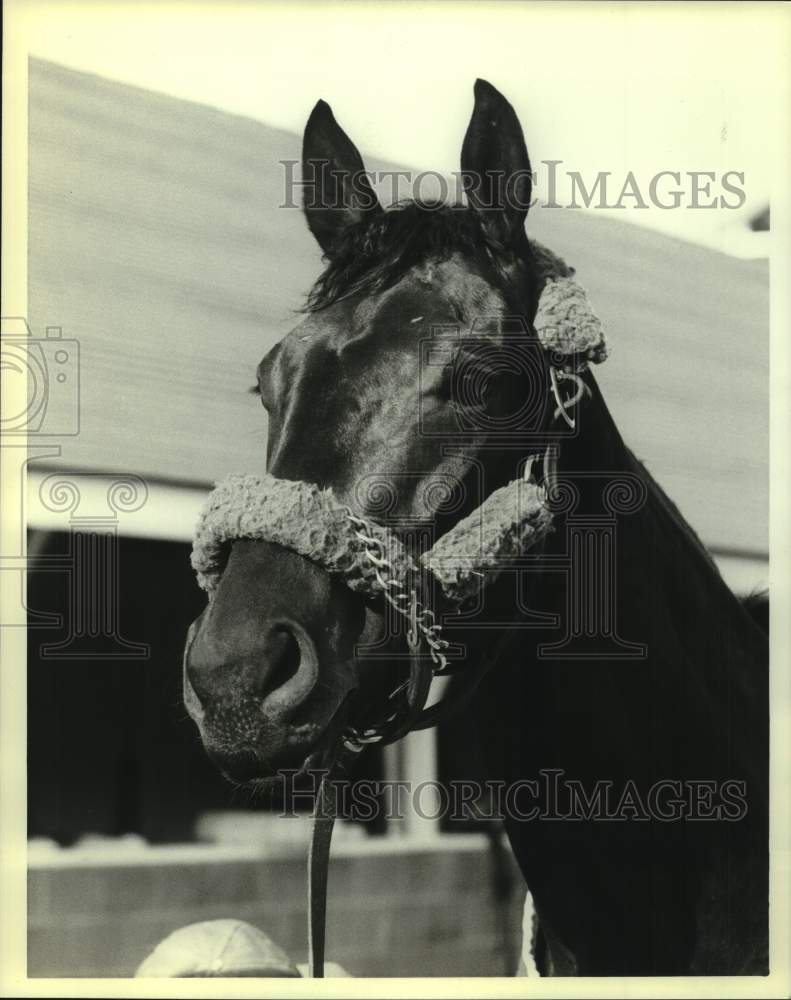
column 376, row 253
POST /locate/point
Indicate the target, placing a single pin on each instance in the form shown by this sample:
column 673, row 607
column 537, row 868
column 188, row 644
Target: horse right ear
column 336, row 191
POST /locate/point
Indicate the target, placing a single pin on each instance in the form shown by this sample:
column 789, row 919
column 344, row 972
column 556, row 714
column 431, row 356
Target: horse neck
column 673, row 688
column 674, row 625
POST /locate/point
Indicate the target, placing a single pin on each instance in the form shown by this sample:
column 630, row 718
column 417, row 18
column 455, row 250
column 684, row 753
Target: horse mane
column 671, row 508
column 756, row 603
column 374, row 254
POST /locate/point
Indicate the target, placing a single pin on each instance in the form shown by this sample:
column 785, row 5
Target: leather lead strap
column 318, row 872
column 461, row 689
column 420, row 674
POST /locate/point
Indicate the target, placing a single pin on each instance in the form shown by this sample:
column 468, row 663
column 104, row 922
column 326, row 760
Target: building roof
column 158, row 240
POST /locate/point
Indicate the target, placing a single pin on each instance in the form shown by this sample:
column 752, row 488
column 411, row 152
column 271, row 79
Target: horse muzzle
column 263, row 677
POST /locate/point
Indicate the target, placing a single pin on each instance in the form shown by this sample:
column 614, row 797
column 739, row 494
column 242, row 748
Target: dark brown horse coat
column 662, row 700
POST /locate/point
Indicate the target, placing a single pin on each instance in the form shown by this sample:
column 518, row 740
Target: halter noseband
column 371, row 558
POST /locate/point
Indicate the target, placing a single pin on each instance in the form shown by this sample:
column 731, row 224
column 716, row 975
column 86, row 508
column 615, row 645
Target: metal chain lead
column 421, row 621
column 407, row 604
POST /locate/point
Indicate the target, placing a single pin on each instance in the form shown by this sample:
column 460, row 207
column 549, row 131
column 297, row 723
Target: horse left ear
column 495, row 166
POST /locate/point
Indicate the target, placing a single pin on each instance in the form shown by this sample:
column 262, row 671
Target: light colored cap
column 217, row 948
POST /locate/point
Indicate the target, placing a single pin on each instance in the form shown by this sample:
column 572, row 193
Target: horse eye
column 255, row 390
column 444, row 386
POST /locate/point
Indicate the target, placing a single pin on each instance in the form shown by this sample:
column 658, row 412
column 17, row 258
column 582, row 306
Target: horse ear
column 495, row 167
column 336, row 191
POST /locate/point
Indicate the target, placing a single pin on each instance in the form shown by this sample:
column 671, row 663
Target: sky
column 600, row 87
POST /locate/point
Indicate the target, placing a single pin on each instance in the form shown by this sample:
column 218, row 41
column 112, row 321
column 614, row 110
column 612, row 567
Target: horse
column 665, row 700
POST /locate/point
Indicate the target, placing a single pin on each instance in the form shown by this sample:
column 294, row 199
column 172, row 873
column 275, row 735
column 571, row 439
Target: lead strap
column 417, row 689
column 318, row 872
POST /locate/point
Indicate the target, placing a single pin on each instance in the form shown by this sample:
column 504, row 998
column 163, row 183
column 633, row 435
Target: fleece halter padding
column 565, row 323
column 299, row 516
column 313, row 523
column 472, row 554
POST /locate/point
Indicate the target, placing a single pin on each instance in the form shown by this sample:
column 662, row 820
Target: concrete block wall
column 395, row 908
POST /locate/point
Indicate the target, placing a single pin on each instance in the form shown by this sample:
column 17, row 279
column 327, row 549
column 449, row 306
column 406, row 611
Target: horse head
column 416, row 350
column 410, row 400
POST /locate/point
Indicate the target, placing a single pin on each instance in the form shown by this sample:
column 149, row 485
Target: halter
column 372, row 560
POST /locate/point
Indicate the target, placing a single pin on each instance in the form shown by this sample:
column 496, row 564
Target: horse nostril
column 277, row 664
column 282, row 659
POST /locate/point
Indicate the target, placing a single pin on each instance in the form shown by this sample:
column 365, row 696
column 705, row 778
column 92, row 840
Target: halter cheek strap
column 565, row 406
